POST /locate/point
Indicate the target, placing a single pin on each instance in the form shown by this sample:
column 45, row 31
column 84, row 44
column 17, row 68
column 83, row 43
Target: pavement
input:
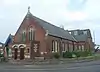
column 93, row 66
column 49, row 62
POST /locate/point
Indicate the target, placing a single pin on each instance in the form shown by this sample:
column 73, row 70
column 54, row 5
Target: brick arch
column 21, row 45
column 30, row 26
column 15, row 51
column 15, row 46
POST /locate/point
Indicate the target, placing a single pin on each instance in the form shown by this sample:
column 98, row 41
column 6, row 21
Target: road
column 93, row 66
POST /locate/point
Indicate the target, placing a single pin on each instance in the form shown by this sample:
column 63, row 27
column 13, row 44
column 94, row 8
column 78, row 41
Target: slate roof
column 1, row 43
column 81, row 36
column 9, row 39
column 52, row 29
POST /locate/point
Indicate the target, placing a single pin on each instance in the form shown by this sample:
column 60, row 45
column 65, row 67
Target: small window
column 79, row 48
column 75, row 47
column 58, row 46
column 71, row 47
column 31, row 34
column 63, row 47
column 46, row 33
column 53, row 46
column 66, row 47
column 75, row 33
column 24, row 36
column 70, row 32
column 85, row 32
column 56, row 49
column 82, row 47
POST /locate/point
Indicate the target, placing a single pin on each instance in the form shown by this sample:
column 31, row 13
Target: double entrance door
column 19, row 54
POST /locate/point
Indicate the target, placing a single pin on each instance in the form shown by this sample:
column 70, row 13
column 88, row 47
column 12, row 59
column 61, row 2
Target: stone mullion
column 13, row 53
column 25, row 53
column 18, row 55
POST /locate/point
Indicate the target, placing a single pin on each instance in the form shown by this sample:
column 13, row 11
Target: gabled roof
column 1, row 43
column 52, row 29
column 80, row 35
column 9, row 39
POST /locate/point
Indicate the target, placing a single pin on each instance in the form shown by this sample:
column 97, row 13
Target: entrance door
column 16, row 53
column 21, row 53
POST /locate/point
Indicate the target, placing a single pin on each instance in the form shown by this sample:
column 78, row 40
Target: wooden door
column 21, row 53
column 16, row 54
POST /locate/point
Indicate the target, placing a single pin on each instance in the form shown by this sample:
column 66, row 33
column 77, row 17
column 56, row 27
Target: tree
column 7, row 50
column 96, row 49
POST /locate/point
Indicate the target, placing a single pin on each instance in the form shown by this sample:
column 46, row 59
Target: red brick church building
column 38, row 38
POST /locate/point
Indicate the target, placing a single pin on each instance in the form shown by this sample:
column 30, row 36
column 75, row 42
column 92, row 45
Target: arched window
column 80, row 48
column 56, row 47
column 31, row 34
column 75, row 47
column 24, row 35
column 66, row 47
column 63, row 47
column 53, row 46
column 70, row 47
column 83, row 48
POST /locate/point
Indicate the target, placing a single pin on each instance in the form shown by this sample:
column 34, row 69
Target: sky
column 72, row 14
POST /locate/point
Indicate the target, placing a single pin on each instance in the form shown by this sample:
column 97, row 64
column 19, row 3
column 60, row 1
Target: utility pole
column 94, row 36
column 94, row 40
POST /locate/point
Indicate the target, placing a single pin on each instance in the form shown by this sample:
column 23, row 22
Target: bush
column 77, row 54
column 56, row 55
column 85, row 54
column 1, row 55
column 67, row 54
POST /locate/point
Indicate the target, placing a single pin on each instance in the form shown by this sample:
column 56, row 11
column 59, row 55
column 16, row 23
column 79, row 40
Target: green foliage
column 56, row 55
column 85, row 53
column 67, row 54
column 76, row 54
column 1, row 55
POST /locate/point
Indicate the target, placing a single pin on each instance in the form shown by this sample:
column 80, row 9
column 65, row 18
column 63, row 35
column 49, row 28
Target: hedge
column 76, row 54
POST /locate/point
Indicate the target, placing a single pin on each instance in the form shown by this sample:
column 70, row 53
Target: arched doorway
column 15, row 52
column 22, row 48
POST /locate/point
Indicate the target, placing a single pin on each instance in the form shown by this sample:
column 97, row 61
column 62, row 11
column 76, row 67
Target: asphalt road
column 93, row 66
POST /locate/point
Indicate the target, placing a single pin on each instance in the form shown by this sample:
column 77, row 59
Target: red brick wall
column 49, row 44
column 39, row 33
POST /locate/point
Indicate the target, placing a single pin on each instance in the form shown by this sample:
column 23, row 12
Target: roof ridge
column 44, row 20
column 53, row 29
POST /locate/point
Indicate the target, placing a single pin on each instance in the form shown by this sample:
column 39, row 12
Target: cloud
column 92, row 8
column 75, row 5
column 11, row 2
column 75, row 16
